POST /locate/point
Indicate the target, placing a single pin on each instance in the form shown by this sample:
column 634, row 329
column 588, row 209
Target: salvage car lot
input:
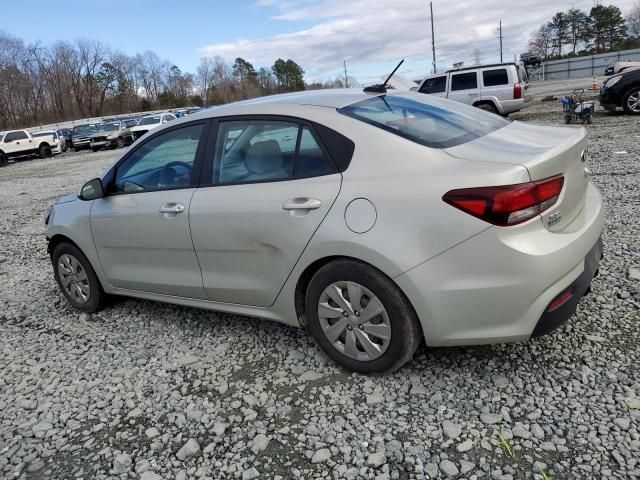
column 144, row 387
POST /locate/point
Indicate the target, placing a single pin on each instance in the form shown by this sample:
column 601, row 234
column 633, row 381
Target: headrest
column 264, row 157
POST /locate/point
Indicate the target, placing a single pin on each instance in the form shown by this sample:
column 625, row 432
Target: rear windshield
column 424, row 119
column 149, row 120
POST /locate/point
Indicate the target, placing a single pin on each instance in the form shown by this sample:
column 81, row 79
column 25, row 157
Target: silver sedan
column 372, row 220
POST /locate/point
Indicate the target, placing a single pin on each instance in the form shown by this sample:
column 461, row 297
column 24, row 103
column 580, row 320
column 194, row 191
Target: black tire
column 589, row 120
column 625, row 101
column 94, row 149
column 119, row 142
column 3, row 159
column 97, row 296
column 567, row 119
column 405, row 330
column 44, row 151
column 487, row 107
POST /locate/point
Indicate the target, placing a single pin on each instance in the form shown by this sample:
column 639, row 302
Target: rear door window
column 13, row 136
column 464, row 81
column 434, row 85
column 495, row 77
column 425, row 119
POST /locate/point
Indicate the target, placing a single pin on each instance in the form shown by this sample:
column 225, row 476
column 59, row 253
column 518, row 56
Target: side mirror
column 92, row 190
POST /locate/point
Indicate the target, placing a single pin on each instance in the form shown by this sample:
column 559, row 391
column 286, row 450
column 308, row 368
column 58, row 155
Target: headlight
column 612, row 81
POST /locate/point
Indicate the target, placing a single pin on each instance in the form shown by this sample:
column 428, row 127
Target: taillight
column 507, row 205
column 517, row 91
column 560, row 300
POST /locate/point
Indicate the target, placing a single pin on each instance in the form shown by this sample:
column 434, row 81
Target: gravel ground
column 153, row 391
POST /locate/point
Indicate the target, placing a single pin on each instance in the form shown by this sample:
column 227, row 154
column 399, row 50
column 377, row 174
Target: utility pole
column 346, row 78
column 500, row 37
column 433, row 39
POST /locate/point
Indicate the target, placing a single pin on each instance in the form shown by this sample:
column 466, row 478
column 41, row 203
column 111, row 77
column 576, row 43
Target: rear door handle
column 172, row 208
column 302, row 203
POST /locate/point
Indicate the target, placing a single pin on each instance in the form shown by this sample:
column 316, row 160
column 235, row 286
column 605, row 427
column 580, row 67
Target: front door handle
column 302, row 203
column 172, row 208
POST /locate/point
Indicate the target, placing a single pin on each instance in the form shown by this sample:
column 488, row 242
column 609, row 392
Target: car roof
column 330, row 98
column 477, row 67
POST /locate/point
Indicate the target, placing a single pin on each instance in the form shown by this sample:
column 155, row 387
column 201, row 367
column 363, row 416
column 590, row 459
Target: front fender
column 71, row 220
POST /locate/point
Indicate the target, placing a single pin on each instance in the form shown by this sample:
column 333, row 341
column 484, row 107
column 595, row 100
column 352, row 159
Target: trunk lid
column 544, row 151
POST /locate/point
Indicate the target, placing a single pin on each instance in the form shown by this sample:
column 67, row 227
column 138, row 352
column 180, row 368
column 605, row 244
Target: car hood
column 71, row 197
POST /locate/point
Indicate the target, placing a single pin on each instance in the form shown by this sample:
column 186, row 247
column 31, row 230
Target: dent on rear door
column 246, row 243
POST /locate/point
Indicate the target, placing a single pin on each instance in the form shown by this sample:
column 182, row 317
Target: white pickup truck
column 20, row 143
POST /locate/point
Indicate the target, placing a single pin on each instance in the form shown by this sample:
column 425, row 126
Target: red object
column 517, row 91
column 507, row 205
column 560, row 300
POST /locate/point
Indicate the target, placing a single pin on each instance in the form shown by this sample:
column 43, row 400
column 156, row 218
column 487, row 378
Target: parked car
column 620, row 67
column 150, row 122
column 20, row 143
column 66, row 133
column 57, row 140
column 529, row 58
column 502, row 88
column 374, row 220
column 112, row 134
column 80, row 136
column 622, row 90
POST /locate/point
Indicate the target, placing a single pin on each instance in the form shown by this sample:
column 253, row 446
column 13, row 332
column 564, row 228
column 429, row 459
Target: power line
column 500, row 37
column 433, row 38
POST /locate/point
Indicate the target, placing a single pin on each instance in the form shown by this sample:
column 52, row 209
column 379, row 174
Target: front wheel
column 567, row 119
column 77, row 279
column 360, row 318
column 119, row 142
column 3, row 159
column 631, row 101
column 94, row 149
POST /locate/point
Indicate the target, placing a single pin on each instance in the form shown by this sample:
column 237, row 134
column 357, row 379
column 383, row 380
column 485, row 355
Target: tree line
column 575, row 32
column 71, row 80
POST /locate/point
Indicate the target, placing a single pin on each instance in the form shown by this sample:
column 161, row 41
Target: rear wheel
column 360, row 318
column 487, row 107
column 567, row 119
column 44, row 151
column 631, row 101
column 76, row 278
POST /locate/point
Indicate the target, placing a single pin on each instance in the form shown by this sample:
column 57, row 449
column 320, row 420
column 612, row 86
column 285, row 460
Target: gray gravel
column 152, row 391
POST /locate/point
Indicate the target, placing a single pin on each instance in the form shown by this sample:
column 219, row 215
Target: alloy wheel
column 633, row 102
column 354, row 321
column 74, row 278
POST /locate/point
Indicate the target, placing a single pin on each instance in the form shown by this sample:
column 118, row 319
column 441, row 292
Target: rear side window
column 425, row 119
column 464, row 81
column 264, row 150
column 493, row 78
column 434, row 85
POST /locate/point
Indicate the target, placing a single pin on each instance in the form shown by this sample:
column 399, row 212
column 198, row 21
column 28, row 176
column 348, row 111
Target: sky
column 370, row 35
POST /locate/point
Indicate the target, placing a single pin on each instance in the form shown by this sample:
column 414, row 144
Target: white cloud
column 370, row 32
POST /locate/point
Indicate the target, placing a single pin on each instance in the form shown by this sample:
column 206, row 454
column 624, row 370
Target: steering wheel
column 168, row 174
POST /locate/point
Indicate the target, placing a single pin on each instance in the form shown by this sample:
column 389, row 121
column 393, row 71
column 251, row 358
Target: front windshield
column 150, row 120
column 108, row 127
column 84, row 130
column 425, row 119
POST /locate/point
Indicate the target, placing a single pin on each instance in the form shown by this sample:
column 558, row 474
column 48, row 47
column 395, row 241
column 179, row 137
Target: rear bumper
column 496, row 286
column 510, row 106
column 552, row 318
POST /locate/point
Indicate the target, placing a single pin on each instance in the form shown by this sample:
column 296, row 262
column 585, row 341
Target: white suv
column 500, row 88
